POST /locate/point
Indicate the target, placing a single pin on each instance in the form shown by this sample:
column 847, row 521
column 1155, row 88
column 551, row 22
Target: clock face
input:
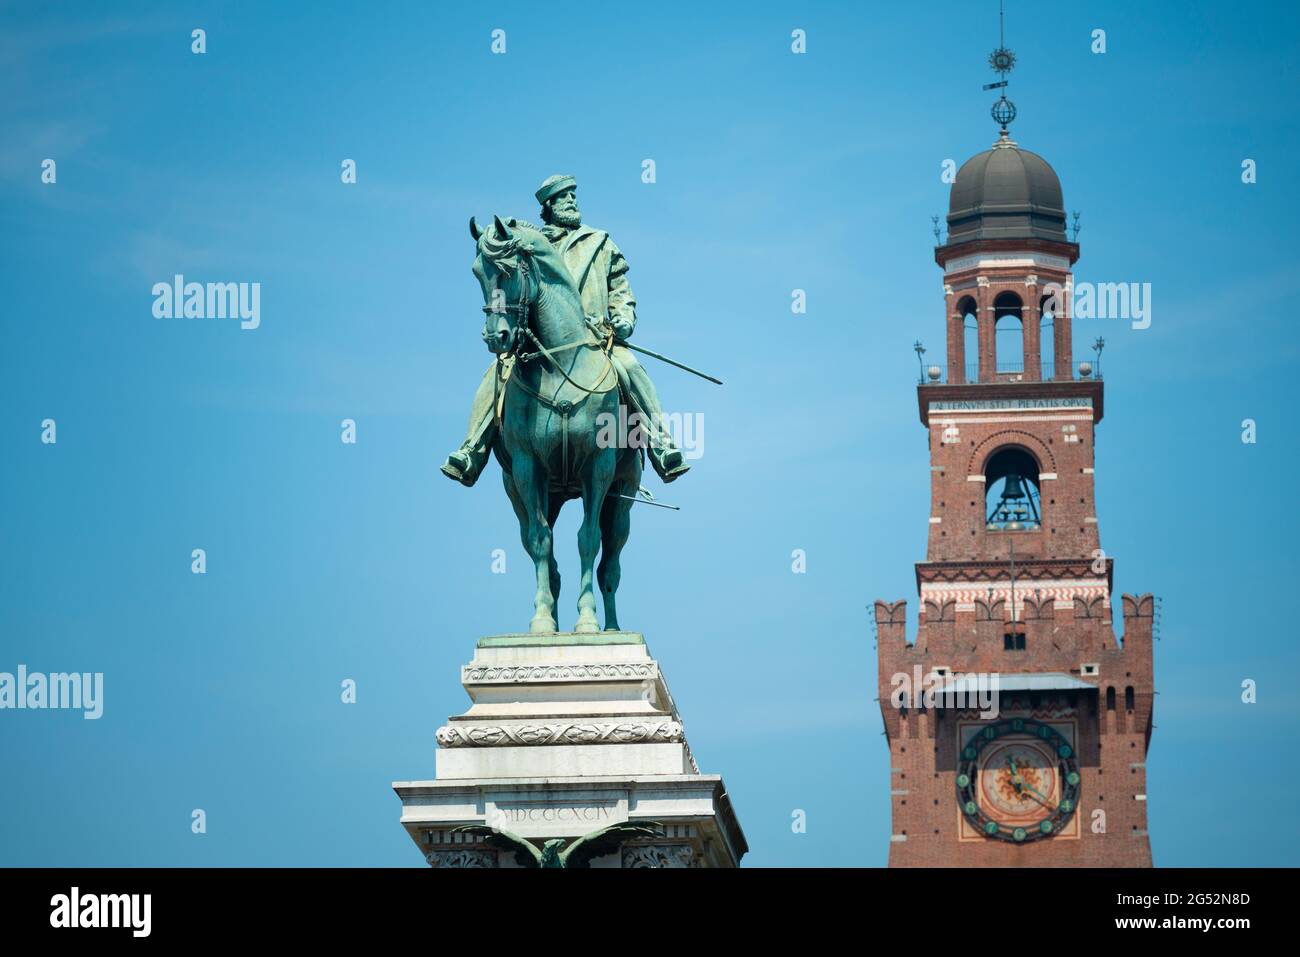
column 1017, row 781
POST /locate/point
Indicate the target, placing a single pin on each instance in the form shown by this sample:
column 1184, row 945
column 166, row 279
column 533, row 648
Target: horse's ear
column 503, row 231
column 474, row 230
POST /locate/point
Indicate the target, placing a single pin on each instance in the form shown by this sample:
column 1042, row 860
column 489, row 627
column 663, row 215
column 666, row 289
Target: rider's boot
column 668, row 462
column 465, row 464
column 664, row 455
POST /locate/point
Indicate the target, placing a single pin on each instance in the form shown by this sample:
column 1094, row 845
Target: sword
column 661, row 358
column 646, row 501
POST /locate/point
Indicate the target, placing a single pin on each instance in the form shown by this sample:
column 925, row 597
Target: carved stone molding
column 660, row 855
column 461, row 857
column 592, row 672
column 488, row 736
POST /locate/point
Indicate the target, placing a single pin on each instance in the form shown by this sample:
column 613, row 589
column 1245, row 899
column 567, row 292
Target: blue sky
column 774, row 172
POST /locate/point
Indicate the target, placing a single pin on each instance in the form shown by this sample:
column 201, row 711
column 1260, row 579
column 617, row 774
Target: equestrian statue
column 558, row 313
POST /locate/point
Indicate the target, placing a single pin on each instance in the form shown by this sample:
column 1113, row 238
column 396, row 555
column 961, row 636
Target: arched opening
column 1009, row 333
column 1128, row 698
column 1047, row 337
column 967, row 311
column 1110, row 699
column 1011, row 495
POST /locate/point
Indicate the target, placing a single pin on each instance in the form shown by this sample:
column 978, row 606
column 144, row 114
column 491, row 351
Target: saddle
column 563, row 483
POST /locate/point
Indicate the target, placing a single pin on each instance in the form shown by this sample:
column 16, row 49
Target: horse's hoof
column 586, row 626
column 542, row 625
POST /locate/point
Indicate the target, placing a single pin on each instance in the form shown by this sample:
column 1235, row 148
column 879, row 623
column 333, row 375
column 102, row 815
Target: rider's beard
column 569, row 218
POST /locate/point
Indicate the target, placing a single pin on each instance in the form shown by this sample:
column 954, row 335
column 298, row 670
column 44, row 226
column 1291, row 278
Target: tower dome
column 1006, row 193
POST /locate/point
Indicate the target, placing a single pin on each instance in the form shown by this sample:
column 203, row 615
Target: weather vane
column 1003, row 61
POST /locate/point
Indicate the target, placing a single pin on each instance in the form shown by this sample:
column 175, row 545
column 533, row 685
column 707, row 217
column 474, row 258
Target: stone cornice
column 944, row 254
column 1028, row 569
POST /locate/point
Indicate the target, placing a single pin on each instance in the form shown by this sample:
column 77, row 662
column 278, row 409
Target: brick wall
column 1111, row 745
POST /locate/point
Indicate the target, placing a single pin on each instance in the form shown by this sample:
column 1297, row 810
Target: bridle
column 522, row 307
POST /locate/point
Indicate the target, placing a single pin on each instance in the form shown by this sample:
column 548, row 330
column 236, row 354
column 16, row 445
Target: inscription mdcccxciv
column 558, row 813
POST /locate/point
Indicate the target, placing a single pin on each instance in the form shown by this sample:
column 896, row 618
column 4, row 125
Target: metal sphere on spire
column 1003, row 61
column 1003, row 112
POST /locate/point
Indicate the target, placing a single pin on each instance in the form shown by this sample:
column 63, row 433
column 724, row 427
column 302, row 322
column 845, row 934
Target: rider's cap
column 553, row 186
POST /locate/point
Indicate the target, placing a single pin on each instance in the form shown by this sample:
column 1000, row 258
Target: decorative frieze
column 487, row 736
column 461, row 857
column 585, row 672
column 1010, row 260
column 660, row 855
column 1064, row 570
column 1062, row 593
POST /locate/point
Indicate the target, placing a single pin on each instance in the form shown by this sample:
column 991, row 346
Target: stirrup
column 675, row 473
column 457, row 467
column 671, row 474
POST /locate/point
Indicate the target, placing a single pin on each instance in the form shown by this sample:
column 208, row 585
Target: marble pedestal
column 567, row 734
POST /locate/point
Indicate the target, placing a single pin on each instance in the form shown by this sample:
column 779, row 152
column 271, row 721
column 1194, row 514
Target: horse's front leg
column 594, row 489
column 530, row 486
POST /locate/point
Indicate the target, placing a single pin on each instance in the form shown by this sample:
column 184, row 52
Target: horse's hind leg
column 595, row 488
column 530, row 487
column 615, row 525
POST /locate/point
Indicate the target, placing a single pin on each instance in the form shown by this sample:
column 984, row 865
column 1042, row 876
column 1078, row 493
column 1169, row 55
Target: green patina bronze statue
column 557, row 309
column 600, row 271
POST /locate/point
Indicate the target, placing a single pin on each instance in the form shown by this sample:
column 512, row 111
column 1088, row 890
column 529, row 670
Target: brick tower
column 1048, row 766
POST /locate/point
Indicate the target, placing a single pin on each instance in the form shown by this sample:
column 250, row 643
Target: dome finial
column 1003, row 61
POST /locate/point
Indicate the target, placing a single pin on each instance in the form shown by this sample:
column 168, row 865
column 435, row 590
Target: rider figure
column 600, row 272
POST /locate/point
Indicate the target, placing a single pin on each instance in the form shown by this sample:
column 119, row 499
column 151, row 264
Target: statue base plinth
column 568, row 734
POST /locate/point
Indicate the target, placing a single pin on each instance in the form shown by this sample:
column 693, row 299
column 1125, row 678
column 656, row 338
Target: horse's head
column 506, row 270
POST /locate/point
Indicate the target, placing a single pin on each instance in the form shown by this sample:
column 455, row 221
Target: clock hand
column 1016, row 779
column 1042, row 801
column 1036, row 791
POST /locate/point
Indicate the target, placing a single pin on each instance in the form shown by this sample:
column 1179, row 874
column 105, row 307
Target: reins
column 564, row 407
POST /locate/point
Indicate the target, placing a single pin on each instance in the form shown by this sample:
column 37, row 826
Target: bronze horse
column 554, row 382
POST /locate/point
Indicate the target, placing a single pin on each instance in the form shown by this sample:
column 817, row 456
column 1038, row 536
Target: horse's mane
column 504, row 253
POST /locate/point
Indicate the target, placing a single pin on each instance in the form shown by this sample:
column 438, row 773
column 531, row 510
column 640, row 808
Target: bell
column 1013, row 489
